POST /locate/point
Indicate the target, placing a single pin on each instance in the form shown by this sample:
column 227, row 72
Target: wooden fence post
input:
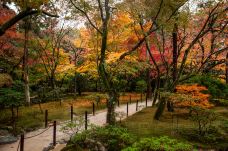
column 86, row 118
column 127, row 109
column 71, row 113
column 54, row 133
column 137, row 105
column 118, row 103
column 22, row 142
column 46, row 118
column 93, row 109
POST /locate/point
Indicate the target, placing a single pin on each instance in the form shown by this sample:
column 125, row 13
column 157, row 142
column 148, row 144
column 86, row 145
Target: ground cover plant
column 179, row 125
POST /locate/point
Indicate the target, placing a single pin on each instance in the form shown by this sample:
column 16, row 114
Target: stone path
column 42, row 141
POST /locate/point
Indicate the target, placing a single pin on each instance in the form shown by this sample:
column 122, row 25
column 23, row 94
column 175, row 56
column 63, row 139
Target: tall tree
column 25, row 61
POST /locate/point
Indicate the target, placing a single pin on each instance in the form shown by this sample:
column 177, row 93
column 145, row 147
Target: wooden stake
column 22, row 142
column 86, row 118
column 71, row 113
column 46, row 118
column 93, row 109
column 54, row 133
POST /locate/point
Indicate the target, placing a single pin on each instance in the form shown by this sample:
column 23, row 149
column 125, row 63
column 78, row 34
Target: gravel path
column 42, row 141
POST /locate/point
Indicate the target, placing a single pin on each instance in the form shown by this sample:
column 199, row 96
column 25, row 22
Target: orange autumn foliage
column 202, row 100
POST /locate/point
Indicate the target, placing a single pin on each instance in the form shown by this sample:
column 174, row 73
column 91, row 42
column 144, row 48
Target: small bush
column 13, row 96
column 203, row 118
column 111, row 137
column 141, row 86
column 212, row 138
column 224, row 125
column 156, row 144
column 220, row 102
column 216, row 88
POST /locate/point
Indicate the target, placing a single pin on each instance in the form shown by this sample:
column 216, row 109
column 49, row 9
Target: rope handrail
column 39, row 133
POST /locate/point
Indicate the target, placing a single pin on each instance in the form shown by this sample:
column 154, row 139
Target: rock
column 96, row 145
column 50, row 147
column 8, row 128
column 3, row 132
column 7, row 139
column 62, row 141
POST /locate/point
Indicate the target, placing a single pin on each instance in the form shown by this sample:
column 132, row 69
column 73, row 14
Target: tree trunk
column 175, row 55
column 174, row 34
column 52, row 80
column 227, row 68
column 96, row 89
column 75, row 74
column 25, row 62
column 160, row 110
column 156, row 90
column 170, row 106
column 75, row 83
column 79, row 91
column 149, row 88
column 12, row 113
column 113, row 98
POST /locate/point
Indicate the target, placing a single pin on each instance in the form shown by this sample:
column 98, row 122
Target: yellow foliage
column 30, row 3
column 196, row 92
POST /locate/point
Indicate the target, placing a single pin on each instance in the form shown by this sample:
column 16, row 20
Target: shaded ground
column 143, row 125
column 31, row 118
column 39, row 142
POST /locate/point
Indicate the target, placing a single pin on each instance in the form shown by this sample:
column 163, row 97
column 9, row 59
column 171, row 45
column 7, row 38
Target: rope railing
column 72, row 115
column 38, row 133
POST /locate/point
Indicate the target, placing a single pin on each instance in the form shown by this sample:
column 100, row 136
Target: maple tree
column 9, row 53
column 54, row 60
column 196, row 91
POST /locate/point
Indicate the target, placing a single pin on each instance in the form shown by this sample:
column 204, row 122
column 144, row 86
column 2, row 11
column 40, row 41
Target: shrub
column 224, row 125
column 203, row 118
column 111, row 137
column 12, row 96
column 220, row 102
column 161, row 143
column 204, row 132
column 213, row 137
column 216, row 88
column 141, row 86
column 196, row 92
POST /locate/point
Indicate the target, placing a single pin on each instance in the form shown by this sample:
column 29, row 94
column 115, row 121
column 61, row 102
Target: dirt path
column 38, row 143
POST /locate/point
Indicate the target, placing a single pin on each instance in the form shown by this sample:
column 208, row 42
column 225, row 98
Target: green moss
column 143, row 125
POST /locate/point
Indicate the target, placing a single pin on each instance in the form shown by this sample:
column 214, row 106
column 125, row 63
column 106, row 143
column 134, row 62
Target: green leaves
column 216, row 87
column 12, row 96
column 159, row 143
column 112, row 137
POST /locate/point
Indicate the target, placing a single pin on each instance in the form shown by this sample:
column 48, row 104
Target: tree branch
column 149, row 32
column 87, row 17
column 20, row 16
